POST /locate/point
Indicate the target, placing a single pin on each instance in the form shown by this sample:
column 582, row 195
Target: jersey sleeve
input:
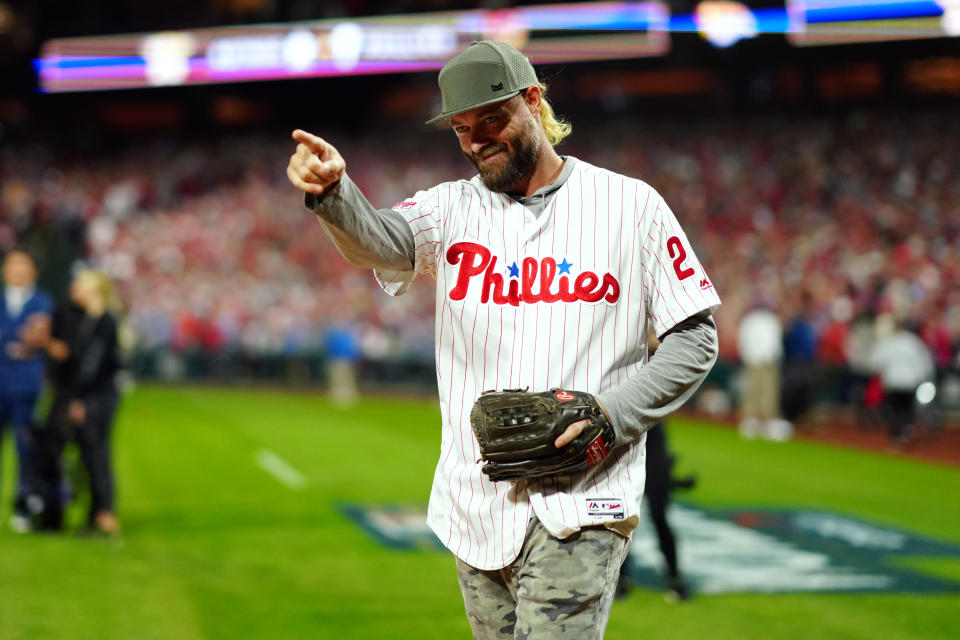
column 676, row 285
column 423, row 213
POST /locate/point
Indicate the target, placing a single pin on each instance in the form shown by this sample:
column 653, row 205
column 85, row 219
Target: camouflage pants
column 556, row 589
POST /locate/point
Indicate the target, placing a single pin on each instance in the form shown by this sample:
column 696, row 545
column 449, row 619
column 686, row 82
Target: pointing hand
column 316, row 165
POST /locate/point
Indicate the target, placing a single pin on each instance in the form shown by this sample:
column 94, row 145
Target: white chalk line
column 280, row 469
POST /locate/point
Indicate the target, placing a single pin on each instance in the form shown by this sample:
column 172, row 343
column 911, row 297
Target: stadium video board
column 821, row 22
column 574, row 32
column 351, row 46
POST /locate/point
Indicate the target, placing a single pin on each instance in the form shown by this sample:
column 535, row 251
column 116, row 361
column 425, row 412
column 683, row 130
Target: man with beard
column 548, row 272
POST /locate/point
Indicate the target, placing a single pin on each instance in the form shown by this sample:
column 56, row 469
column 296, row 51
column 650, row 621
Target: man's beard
column 500, row 177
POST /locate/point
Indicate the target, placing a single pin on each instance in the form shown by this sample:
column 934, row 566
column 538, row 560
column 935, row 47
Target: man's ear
column 532, row 97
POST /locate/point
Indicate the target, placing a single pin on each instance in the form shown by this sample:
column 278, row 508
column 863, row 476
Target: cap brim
column 483, row 103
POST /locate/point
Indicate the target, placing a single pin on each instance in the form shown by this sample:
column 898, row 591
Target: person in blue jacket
column 25, row 317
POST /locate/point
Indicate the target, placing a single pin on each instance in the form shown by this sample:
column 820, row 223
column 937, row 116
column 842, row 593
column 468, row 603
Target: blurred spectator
column 760, row 342
column 343, row 353
column 903, row 362
column 799, row 365
column 861, row 338
column 656, row 495
column 24, row 327
column 87, row 358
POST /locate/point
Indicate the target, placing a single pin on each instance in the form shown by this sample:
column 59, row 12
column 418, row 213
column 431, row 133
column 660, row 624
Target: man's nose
column 479, row 141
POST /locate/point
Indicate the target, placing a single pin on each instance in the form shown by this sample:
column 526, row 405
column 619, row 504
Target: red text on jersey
column 538, row 280
column 678, row 254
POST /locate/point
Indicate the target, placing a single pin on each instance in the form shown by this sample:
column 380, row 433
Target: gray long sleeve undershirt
column 381, row 239
column 365, row 236
column 686, row 354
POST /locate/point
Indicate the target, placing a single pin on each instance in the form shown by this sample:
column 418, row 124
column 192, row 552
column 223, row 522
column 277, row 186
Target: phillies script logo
column 533, row 281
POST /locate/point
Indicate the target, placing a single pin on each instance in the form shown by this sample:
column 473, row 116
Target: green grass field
column 215, row 547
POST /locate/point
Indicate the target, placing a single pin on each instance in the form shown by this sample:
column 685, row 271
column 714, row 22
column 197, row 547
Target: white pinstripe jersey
column 562, row 300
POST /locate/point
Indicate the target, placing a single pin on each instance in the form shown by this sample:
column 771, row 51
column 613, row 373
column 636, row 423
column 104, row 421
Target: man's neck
column 548, row 167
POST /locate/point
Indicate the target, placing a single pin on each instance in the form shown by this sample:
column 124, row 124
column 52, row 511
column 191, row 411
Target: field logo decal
column 395, row 527
column 741, row 550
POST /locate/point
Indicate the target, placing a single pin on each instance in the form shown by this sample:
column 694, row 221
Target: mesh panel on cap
column 516, row 66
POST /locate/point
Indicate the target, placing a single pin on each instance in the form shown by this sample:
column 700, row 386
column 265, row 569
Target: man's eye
column 490, row 119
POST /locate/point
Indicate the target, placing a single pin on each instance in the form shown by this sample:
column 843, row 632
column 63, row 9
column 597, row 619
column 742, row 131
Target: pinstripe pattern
column 597, row 221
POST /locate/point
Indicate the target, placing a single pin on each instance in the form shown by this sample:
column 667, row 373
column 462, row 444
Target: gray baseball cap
column 485, row 72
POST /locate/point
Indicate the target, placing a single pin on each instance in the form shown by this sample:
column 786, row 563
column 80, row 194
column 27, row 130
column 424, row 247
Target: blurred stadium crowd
column 831, row 218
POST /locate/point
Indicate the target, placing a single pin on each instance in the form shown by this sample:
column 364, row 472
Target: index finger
column 570, row 433
column 314, row 143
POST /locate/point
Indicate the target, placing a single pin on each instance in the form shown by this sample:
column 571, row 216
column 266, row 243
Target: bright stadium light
column 724, row 23
column 951, row 17
column 346, row 44
column 167, row 58
column 926, row 392
column 300, row 48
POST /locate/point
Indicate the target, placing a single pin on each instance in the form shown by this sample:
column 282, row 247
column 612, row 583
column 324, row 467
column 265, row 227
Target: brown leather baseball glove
column 516, row 430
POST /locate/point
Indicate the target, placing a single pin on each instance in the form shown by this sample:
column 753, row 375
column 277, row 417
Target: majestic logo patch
column 564, row 396
column 530, row 282
column 496, row 87
column 605, row 508
column 705, row 284
column 406, row 204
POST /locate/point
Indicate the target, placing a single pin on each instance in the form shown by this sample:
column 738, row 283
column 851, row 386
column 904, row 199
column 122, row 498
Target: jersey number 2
column 678, row 254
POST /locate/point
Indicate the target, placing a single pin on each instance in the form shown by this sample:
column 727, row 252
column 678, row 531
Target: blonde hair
column 101, row 284
column 556, row 128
